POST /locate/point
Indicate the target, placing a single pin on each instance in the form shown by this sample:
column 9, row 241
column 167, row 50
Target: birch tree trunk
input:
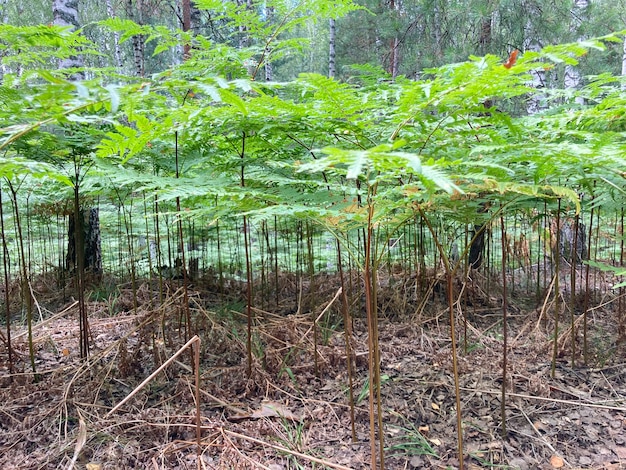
column 135, row 13
column 244, row 37
column 332, row 32
column 572, row 78
column 117, row 51
column 267, row 54
column 394, row 60
column 65, row 13
column 3, row 20
column 537, row 101
column 624, row 65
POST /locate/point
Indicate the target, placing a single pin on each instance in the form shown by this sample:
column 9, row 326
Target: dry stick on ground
column 287, row 451
column 47, row 321
column 542, row 438
column 80, row 441
column 195, row 340
column 551, row 400
column 306, row 333
column 242, row 455
column 545, row 301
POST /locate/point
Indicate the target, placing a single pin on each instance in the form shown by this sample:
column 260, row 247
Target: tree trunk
column 135, row 13
column 537, row 101
column 90, row 243
column 65, row 13
column 117, row 51
column 186, row 7
column 485, row 40
column 267, row 62
column 624, row 64
column 477, row 246
column 244, row 37
column 3, row 20
column 331, row 47
column 572, row 78
column 394, row 60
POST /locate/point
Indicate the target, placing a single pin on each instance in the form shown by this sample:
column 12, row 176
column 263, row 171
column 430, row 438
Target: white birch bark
column 117, row 51
column 394, row 58
column 65, row 13
column 267, row 55
column 536, row 101
column 332, row 32
column 4, row 19
column 135, row 13
column 624, row 65
column 572, row 78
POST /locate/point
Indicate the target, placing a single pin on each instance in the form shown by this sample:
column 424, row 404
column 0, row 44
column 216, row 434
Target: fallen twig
column 284, row 449
column 151, row 376
column 552, row 400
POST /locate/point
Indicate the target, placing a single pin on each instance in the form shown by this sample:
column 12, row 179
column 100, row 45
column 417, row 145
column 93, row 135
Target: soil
column 289, row 408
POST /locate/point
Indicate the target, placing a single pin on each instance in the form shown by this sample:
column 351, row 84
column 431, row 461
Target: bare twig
column 193, row 340
column 543, row 439
column 284, row 449
column 551, row 400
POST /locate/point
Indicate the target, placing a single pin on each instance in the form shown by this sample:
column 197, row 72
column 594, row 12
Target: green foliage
column 313, row 147
column 41, row 45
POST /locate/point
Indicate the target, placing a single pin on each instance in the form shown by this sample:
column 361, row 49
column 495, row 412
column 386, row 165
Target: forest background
column 266, row 182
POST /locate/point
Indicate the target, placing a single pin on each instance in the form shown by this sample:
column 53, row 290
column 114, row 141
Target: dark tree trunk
column 186, row 7
column 91, row 244
column 477, row 246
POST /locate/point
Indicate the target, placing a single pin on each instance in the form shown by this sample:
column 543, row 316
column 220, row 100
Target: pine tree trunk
column 477, row 247
column 186, row 7
column 89, row 242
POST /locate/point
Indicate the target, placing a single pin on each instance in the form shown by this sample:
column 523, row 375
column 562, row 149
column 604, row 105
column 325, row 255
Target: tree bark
column 394, row 60
column 117, row 51
column 89, row 230
column 3, row 20
column 135, row 13
column 186, row 7
column 332, row 32
column 624, row 64
column 65, row 13
column 267, row 62
column 572, row 78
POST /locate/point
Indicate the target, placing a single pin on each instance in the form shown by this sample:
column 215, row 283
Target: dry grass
column 44, row 422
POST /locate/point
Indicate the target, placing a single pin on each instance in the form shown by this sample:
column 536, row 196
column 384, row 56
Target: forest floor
column 291, row 411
